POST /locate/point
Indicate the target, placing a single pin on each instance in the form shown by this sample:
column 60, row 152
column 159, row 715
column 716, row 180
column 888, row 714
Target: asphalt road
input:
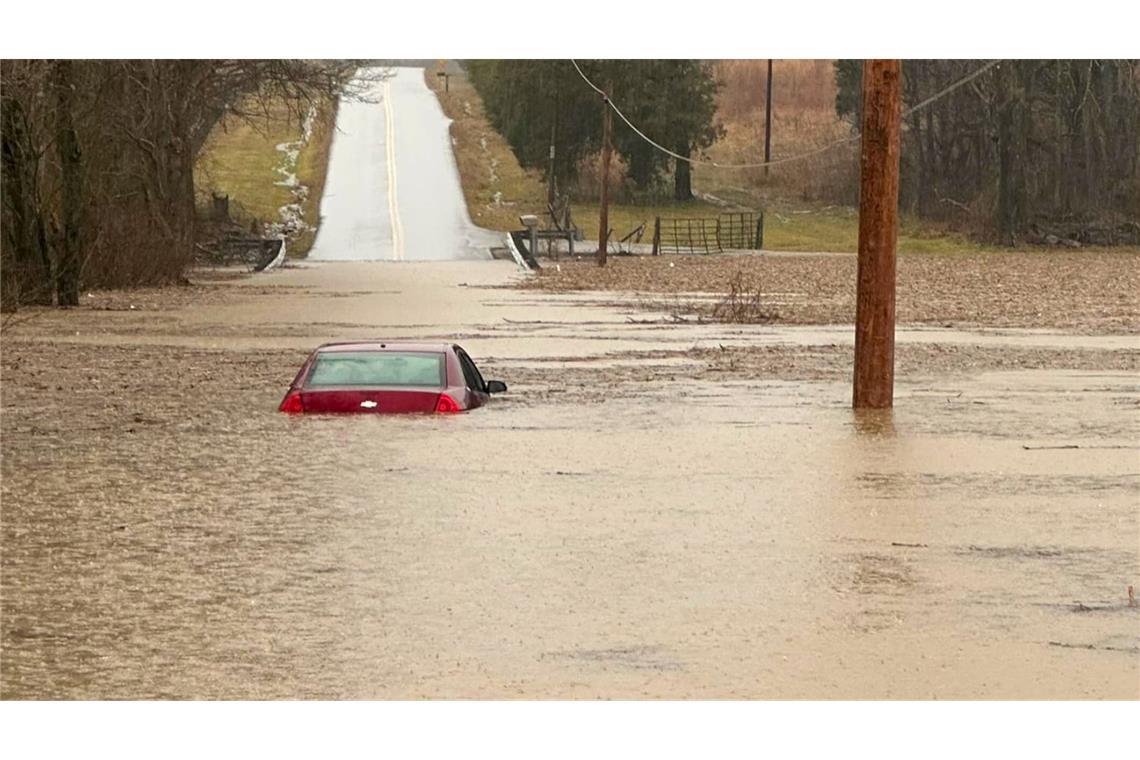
column 393, row 191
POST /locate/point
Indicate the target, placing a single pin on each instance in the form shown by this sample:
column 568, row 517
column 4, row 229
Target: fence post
column 657, row 236
column 221, row 208
column 760, row 231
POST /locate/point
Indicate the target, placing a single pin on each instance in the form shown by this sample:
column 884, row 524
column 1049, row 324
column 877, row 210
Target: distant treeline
column 1026, row 148
column 1029, row 145
column 539, row 104
column 98, row 163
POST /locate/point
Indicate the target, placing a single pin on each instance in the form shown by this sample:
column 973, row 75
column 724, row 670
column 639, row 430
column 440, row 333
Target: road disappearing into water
column 654, row 509
column 393, row 191
column 662, row 506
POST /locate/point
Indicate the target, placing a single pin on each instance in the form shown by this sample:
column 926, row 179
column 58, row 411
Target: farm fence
column 709, row 234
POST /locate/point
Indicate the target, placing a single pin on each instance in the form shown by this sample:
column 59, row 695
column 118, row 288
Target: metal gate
column 739, row 231
column 709, row 234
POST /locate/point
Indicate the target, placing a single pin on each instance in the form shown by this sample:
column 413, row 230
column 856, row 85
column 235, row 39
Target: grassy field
column 786, row 227
column 625, row 217
column 240, row 159
column 836, row 229
column 496, row 188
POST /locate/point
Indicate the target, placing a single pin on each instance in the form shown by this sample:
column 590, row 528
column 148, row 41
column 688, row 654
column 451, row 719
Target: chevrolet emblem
column 368, row 404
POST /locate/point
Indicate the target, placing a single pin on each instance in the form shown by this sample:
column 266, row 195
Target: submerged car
column 388, row 378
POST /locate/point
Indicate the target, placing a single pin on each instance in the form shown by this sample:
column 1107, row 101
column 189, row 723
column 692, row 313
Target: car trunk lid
column 369, row 400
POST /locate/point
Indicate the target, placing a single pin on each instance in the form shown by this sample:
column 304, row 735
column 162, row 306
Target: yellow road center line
column 393, row 199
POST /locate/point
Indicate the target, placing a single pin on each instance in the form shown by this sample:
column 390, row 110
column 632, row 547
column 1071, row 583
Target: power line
column 799, row 157
column 942, row 93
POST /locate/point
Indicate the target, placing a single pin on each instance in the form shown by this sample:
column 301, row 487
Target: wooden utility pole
column 550, row 180
column 878, row 235
column 607, row 149
column 768, row 120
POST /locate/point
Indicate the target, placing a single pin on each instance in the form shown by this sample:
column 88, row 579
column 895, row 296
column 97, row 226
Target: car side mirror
column 495, row 386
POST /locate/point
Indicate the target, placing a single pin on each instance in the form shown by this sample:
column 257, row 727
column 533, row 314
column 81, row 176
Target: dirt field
column 1086, row 292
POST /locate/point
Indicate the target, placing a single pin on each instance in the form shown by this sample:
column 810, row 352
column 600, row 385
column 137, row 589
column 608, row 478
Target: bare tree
column 1049, row 144
column 98, row 161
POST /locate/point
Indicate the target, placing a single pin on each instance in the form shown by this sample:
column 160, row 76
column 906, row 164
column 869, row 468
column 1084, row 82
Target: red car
column 387, row 378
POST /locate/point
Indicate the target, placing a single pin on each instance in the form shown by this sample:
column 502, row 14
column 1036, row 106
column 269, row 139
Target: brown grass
column 802, row 85
column 497, row 189
column 803, row 120
column 240, row 158
column 829, row 177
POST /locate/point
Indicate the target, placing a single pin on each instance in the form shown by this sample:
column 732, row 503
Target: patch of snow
column 292, row 214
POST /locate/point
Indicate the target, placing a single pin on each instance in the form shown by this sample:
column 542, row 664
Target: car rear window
column 346, row 368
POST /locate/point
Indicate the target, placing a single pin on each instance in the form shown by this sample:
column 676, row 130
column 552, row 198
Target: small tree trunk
column 71, row 169
column 1058, row 136
column 1011, row 155
column 604, row 215
column 922, row 195
column 27, row 266
column 928, row 157
column 183, row 211
column 768, row 121
column 683, row 177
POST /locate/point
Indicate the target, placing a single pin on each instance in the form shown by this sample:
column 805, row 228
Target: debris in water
column 1093, row 646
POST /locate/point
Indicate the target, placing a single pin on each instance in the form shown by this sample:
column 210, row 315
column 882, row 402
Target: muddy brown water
column 167, row 534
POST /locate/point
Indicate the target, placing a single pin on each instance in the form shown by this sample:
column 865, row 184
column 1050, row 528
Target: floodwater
column 392, row 191
column 167, row 534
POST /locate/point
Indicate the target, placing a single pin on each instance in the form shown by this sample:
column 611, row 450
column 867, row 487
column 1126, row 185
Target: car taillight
column 292, row 403
column 446, row 404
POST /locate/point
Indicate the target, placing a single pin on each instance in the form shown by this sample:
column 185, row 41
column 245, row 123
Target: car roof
column 385, row 345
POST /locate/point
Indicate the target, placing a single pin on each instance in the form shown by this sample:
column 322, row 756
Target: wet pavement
column 393, row 191
column 635, row 518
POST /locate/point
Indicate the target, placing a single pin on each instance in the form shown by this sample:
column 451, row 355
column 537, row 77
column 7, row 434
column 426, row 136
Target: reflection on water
column 873, row 422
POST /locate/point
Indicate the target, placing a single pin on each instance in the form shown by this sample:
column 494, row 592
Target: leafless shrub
column 743, row 304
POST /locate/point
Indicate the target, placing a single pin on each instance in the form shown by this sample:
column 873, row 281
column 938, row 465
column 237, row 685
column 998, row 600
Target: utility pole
column 550, row 179
column 768, row 121
column 878, row 236
column 607, row 149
